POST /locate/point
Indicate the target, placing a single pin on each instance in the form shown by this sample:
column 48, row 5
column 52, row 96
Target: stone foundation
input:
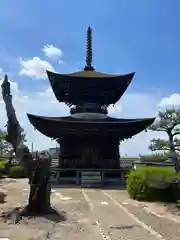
column 76, row 176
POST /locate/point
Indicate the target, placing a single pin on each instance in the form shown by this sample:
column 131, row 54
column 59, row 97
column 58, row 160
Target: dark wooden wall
column 91, row 152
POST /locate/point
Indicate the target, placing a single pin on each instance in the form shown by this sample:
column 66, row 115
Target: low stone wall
column 138, row 164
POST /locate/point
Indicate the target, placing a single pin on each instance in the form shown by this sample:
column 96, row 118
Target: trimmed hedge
column 139, row 184
column 16, row 172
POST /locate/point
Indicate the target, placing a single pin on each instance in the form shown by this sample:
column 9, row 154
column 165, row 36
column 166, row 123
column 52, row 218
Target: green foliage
column 5, row 147
column 2, row 167
column 139, row 184
column 168, row 120
column 169, row 123
column 16, row 172
column 126, row 175
column 159, row 144
column 153, row 157
column 2, row 164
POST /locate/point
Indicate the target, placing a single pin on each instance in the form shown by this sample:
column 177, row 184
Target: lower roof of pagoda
column 57, row 127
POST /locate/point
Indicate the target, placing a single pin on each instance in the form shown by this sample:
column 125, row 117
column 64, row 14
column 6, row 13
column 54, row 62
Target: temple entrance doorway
column 90, row 156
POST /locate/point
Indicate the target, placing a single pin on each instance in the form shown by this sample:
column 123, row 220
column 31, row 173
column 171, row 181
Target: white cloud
column 52, row 52
column 35, row 67
column 138, row 105
column 114, row 109
column 173, row 100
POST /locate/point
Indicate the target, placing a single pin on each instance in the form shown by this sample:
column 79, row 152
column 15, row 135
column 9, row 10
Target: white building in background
column 54, row 152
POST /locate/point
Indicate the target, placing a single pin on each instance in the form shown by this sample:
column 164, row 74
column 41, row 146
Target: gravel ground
column 83, row 214
column 172, row 208
column 167, row 228
column 114, row 221
column 75, row 221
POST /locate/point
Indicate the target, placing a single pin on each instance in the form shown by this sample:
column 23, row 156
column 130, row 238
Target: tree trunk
column 40, row 191
column 173, row 152
column 39, row 200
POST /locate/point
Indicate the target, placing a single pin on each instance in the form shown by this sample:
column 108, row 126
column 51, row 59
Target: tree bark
column 39, row 201
column 38, row 172
column 40, row 190
column 173, row 152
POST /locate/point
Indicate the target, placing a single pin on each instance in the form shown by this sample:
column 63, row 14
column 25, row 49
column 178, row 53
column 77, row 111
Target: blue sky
column 128, row 35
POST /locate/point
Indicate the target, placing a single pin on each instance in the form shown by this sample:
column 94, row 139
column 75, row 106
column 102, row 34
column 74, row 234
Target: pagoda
column 88, row 137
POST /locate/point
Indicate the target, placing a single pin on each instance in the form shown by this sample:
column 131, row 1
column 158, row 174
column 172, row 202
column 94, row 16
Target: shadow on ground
column 15, row 215
column 56, row 216
column 124, row 227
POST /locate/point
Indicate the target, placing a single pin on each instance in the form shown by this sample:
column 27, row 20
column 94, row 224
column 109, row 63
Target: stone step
column 91, row 179
column 90, row 173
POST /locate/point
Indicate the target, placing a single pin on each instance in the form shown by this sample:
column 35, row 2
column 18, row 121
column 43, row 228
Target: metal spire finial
column 89, row 66
column 6, row 78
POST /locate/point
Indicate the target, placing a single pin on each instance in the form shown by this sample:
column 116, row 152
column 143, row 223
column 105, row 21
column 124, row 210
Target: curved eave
column 85, row 75
column 56, row 127
column 78, row 87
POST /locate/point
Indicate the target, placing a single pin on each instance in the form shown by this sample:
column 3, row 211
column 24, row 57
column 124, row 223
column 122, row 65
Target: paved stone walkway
column 89, row 214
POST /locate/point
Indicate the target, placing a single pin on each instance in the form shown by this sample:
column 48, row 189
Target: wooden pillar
column 61, row 154
column 77, row 177
column 122, row 178
column 102, row 177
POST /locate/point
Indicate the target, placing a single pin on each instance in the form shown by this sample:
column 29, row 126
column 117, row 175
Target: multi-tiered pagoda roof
column 89, row 86
column 89, row 93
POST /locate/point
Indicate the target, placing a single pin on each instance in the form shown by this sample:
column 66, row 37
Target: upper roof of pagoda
column 89, row 85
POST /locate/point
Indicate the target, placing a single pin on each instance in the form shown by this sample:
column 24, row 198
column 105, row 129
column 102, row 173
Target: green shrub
column 3, row 168
column 140, row 187
column 2, row 164
column 126, row 175
column 16, row 172
column 1, row 172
